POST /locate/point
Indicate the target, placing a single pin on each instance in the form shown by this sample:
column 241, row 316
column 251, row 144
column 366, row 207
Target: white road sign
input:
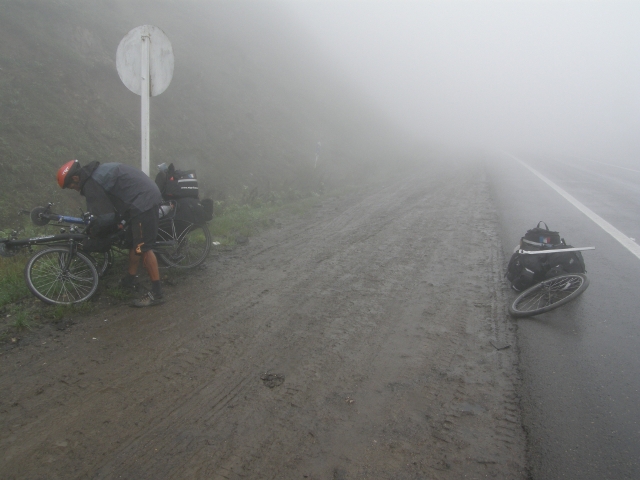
column 144, row 60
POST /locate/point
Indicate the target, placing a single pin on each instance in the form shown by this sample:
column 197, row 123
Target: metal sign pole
column 144, row 95
column 146, row 68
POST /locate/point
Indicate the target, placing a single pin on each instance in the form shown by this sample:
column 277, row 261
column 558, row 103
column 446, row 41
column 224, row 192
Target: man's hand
column 88, row 218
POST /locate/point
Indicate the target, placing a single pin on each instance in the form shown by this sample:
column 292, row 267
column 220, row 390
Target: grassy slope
column 246, row 106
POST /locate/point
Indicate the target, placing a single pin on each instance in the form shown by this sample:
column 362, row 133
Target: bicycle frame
column 62, row 273
column 10, row 246
column 169, row 236
column 65, row 219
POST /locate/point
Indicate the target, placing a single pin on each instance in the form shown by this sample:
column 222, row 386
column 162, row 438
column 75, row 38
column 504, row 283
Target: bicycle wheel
column 549, row 294
column 193, row 244
column 102, row 261
column 49, row 278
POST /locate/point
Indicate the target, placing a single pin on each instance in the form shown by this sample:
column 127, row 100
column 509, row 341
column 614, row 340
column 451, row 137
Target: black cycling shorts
column 144, row 230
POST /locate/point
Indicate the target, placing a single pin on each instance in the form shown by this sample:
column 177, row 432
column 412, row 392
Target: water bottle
column 164, row 211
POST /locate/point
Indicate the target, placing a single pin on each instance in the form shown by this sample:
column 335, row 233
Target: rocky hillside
column 249, row 100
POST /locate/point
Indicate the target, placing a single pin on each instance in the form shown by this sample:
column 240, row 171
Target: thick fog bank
column 550, row 77
column 253, row 104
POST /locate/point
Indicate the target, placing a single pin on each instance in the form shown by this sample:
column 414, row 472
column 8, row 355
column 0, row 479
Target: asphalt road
column 580, row 364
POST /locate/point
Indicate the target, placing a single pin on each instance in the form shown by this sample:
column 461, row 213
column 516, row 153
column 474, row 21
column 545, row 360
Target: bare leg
column 155, row 296
column 150, row 263
column 134, row 261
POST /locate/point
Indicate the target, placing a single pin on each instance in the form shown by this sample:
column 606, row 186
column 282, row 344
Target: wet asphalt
column 580, row 364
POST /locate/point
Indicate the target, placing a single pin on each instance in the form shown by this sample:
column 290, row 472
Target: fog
column 552, row 78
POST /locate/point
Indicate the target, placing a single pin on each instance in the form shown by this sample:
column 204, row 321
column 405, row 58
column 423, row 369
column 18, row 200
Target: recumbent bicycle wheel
column 549, row 294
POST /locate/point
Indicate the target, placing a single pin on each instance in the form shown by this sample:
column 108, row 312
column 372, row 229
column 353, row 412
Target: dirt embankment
column 367, row 340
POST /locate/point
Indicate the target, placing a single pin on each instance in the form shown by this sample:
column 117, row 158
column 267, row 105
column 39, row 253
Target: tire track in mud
column 333, row 332
column 443, row 357
column 378, row 312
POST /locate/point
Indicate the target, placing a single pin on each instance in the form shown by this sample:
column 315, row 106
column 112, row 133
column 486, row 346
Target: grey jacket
column 115, row 189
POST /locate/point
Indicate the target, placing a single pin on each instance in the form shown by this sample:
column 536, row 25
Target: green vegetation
column 21, row 321
column 244, row 220
column 247, row 116
column 58, row 312
column 12, row 285
column 118, row 293
column 232, row 220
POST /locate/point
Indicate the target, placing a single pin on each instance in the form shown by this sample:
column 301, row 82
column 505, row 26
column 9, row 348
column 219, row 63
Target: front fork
column 66, row 263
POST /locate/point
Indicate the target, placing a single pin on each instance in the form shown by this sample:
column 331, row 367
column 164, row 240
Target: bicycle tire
column 102, row 261
column 49, row 280
column 193, row 244
column 549, row 294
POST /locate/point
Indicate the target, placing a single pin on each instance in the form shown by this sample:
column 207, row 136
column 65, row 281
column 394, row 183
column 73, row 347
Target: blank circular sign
column 129, row 59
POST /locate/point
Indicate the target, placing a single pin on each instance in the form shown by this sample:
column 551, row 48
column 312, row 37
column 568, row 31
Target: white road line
column 617, row 166
column 624, row 240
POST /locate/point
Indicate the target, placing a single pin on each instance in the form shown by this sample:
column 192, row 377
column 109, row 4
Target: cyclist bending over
column 114, row 191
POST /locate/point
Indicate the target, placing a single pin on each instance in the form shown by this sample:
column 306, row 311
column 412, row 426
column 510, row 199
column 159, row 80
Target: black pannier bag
column 94, row 244
column 207, row 205
column 524, row 271
column 539, row 238
column 182, row 184
column 564, row 262
column 175, row 184
column 103, row 234
column 190, row 210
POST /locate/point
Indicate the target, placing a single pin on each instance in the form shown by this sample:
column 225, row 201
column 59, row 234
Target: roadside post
column 144, row 61
column 318, row 146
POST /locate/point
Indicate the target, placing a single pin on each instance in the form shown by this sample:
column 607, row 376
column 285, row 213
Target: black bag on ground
column 539, row 238
column 561, row 263
column 525, row 271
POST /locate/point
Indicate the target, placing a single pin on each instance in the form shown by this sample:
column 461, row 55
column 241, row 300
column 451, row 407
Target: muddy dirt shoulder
column 30, row 322
column 355, row 342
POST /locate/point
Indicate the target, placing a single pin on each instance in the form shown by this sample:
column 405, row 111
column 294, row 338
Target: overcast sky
column 559, row 77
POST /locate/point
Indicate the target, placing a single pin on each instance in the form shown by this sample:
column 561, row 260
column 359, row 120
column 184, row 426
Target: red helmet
column 67, row 171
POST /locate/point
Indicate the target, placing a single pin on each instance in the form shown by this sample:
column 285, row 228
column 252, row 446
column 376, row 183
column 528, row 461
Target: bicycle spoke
column 191, row 247
column 49, row 278
column 549, row 294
